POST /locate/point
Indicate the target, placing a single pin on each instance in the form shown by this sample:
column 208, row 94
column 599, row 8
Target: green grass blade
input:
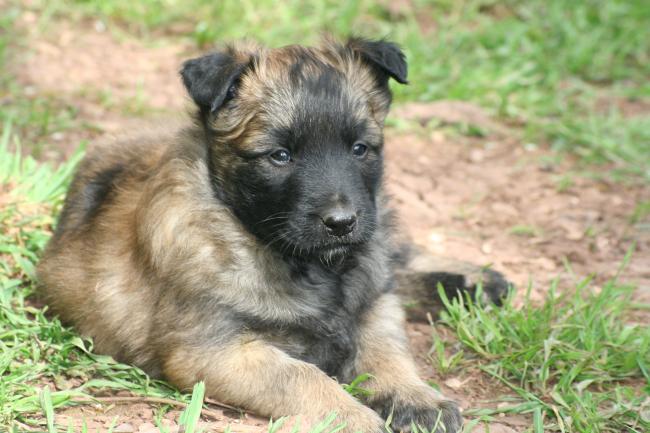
column 538, row 425
column 45, row 399
column 192, row 413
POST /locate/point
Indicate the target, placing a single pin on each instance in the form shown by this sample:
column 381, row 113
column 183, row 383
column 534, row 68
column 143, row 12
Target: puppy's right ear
column 211, row 80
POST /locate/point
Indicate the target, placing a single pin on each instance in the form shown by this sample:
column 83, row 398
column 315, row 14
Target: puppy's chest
column 329, row 344
column 329, row 338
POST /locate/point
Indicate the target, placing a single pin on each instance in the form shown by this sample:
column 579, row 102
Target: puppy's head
column 294, row 138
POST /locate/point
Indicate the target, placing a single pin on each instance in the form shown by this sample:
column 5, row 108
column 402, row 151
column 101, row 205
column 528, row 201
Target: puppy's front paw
column 360, row 419
column 422, row 408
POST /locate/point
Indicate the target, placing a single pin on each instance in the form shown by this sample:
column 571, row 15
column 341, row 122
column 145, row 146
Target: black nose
column 339, row 222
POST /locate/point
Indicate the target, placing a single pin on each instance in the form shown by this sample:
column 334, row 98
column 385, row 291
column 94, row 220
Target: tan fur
column 287, row 385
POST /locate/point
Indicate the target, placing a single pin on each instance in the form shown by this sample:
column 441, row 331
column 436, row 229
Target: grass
column 575, row 361
column 561, row 73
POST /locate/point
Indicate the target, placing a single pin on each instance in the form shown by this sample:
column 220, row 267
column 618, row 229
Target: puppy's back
column 87, row 275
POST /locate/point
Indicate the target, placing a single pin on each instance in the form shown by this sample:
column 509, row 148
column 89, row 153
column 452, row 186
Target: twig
column 159, row 400
column 223, row 405
column 27, row 427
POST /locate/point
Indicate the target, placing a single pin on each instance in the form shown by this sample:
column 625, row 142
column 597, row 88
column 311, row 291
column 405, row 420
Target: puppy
column 254, row 248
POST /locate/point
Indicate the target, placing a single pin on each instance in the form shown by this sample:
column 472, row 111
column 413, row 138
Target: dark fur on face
column 253, row 249
column 304, row 173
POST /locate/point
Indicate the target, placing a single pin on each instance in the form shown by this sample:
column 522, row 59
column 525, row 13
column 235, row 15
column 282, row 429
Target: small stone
column 502, row 208
column 100, row 26
column 546, row 264
column 476, row 155
column 147, row 427
column 602, row 243
column 437, row 137
column 30, row 17
column 493, row 428
column 454, row 383
column 124, row 428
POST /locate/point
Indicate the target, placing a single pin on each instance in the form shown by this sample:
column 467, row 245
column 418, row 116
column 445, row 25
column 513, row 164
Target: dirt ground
column 487, row 200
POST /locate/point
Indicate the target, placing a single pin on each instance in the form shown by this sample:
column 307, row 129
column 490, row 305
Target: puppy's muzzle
column 339, row 221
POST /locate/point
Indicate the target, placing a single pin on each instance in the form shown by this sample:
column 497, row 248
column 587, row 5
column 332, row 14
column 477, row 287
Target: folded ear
column 209, row 78
column 386, row 58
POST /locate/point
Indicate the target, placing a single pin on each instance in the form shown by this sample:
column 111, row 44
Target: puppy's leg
column 257, row 376
column 420, row 273
column 396, row 389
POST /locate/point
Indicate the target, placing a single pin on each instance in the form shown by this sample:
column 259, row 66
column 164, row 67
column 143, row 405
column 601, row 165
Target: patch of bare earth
column 128, row 415
column 487, row 200
column 491, row 201
column 112, row 81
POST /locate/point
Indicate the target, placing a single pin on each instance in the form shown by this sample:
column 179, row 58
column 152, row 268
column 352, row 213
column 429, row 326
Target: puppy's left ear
column 386, row 58
column 210, row 79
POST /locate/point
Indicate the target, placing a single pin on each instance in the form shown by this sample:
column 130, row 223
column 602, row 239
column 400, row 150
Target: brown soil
column 488, row 200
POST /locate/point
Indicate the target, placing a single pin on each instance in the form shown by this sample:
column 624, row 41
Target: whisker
column 275, row 216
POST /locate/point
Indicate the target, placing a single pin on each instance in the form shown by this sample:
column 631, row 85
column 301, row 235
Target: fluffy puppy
column 254, row 248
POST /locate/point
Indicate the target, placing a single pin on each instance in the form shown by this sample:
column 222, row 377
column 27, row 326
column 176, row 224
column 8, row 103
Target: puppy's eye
column 359, row 149
column 281, row 157
column 231, row 93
